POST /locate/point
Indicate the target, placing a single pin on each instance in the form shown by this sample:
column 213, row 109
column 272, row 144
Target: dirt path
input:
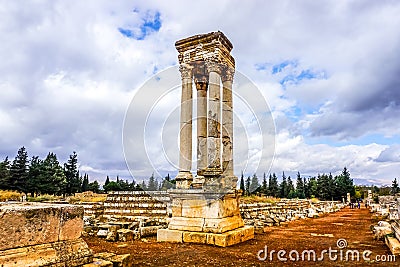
column 319, row 234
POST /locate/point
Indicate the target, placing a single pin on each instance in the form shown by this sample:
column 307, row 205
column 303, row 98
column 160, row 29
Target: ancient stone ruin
column 205, row 208
column 48, row 235
column 42, row 235
column 388, row 227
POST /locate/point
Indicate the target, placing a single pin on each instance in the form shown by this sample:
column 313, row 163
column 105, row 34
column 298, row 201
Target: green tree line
column 324, row 187
column 37, row 176
column 44, row 176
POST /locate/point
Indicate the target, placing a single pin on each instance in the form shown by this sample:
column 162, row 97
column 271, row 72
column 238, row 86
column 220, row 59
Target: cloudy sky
column 329, row 71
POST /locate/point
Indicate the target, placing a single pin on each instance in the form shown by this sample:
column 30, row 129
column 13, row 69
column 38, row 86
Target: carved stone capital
column 213, row 66
column 200, row 79
column 201, row 85
column 227, row 74
column 186, row 71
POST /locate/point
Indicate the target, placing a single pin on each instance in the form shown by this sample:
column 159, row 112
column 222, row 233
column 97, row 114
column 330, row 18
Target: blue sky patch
column 150, row 23
column 307, row 74
column 281, row 66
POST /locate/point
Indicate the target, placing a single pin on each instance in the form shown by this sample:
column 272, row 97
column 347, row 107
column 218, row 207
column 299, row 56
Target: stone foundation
column 42, row 235
column 225, row 239
column 205, row 217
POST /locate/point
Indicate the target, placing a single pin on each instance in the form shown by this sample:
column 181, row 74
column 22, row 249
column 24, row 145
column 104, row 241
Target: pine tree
column 264, row 187
column 290, row 188
column 85, row 183
column 312, row 187
column 300, row 186
column 35, row 170
column 331, row 187
column 94, row 187
column 306, row 188
column 343, row 185
column 166, row 183
column 273, row 187
column 5, row 177
column 107, row 180
column 19, row 171
column 283, row 187
column 254, row 184
column 395, row 186
column 143, row 186
column 152, row 185
column 323, row 190
column 52, row 178
column 248, row 186
column 242, row 187
column 74, row 182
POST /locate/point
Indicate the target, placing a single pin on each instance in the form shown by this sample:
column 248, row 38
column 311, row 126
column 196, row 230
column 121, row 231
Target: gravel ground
column 319, row 234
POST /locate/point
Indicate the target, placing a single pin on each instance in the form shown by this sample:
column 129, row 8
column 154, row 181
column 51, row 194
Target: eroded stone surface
column 62, row 253
column 34, row 224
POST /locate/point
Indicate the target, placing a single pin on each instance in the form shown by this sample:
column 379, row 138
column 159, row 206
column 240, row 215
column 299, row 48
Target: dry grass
column 44, row 197
column 258, row 199
column 314, row 200
column 87, row 197
column 9, row 195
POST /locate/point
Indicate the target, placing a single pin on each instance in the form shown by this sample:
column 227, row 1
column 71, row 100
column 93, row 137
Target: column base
column 184, row 179
column 226, row 239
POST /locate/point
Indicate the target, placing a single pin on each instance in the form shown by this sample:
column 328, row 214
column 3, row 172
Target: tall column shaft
column 201, row 87
column 185, row 135
column 227, row 122
column 214, row 115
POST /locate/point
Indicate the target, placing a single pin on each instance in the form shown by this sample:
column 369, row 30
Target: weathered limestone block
column 222, row 225
column 99, row 263
column 168, row 235
column 188, row 224
column 60, row 253
column 27, row 225
column 223, row 240
column 123, row 260
column 393, row 244
column 125, row 235
column 148, row 231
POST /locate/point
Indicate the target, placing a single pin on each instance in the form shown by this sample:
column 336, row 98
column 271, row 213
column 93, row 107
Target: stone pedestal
column 205, row 217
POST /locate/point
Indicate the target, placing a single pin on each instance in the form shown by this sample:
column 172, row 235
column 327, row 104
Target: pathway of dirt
column 352, row 225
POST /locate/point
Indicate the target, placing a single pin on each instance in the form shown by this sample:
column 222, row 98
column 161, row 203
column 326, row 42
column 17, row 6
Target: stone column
column 185, row 177
column 201, row 86
column 214, row 116
column 227, row 122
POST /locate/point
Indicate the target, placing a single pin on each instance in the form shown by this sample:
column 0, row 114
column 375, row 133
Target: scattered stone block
column 125, row 235
column 102, row 233
column 168, row 235
column 393, row 244
column 148, row 231
column 104, row 255
column 121, row 260
column 99, row 263
column 112, row 236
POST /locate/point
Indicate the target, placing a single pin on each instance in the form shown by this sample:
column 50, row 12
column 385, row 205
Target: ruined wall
column 134, row 204
column 151, row 210
column 261, row 215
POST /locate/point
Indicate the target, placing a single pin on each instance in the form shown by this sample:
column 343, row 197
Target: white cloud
column 67, row 76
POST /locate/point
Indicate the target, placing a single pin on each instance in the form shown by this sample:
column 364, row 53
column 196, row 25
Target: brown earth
column 308, row 234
